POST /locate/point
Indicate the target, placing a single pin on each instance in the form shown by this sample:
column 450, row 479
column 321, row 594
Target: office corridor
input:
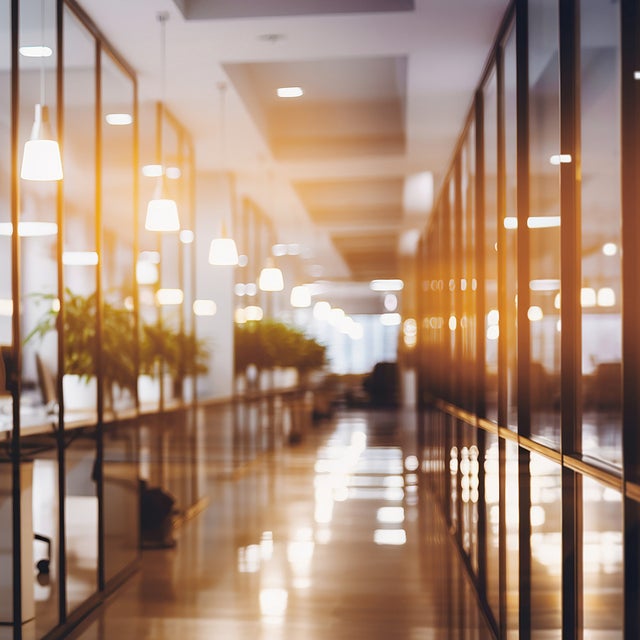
column 333, row 538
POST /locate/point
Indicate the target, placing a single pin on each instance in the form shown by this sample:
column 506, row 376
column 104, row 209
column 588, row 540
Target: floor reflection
column 333, row 538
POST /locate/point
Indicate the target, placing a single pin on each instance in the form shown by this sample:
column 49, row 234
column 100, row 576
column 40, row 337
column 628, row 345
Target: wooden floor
column 330, row 539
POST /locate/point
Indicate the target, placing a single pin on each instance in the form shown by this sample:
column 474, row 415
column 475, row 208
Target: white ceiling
column 386, row 94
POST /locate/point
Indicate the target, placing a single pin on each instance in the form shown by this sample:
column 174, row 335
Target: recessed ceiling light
column 119, row 119
column 36, row 51
column 152, row 170
column 289, row 92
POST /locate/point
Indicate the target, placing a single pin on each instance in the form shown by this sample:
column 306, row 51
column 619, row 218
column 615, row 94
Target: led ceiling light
column 223, row 250
column 29, row 229
column 271, row 278
column 289, row 92
column 162, row 211
column 119, row 119
column 36, row 51
column 41, row 157
column 386, row 285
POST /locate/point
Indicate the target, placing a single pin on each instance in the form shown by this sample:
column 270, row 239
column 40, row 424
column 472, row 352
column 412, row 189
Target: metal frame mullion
column 570, row 314
column 630, row 197
column 99, row 323
column 60, row 435
column 503, row 362
column 15, row 377
column 523, row 338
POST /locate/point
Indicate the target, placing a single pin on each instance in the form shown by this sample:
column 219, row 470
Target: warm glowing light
column 390, row 302
column 544, row 284
column 636, row 75
column 41, row 158
column 386, row 285
column 271, row 278
column 240, row 317
column 239, row 289
column 395, row 537
column 588, row 297
column 556, row 301
column 300, row 297
column 152, row 170
column 510, row 222
column 36, row 51
column 390, row 515
column 335, row 316
column 453, row 323
column 279, row 250
column 223, row 252
column 80, row 258
column 169, row 296
column 562, row 158
column 321, row 310
column 119, row 119
column 6, row 308
column 162, row 215
column 29, row 229
column 411, row 463
column 273, row 602
column 204, row 307
column 606, row 297
column 55, row 305
column 173, row 173
column 493, row 332
column 535, row 314
column 251, row 289
column 493, row 317
column 187, row 236
column 146, row 272
column 253, row 313
column 610, row 248
column 390, row 319
column 410, row 327
column 543, row 222
column 289, row 92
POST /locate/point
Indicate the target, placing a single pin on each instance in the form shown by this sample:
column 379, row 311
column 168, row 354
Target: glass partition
column 80, row 259
column 601, row 231
column 544, row 220
column 118, row 338
column 38, row 232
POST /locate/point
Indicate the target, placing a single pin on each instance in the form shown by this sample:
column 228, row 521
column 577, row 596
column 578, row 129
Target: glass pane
column 507, row 323
column 492, row 507
column 601, row 240
column 546, row 547
column 80, row 259
column 120, row 473
column 602, row 572
column 118, row 334
column 544, row 220
column 40, row 303
column 6, row 312
column 512, row 523
column 491, row 319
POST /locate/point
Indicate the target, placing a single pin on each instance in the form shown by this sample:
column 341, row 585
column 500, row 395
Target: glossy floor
column 332, row 538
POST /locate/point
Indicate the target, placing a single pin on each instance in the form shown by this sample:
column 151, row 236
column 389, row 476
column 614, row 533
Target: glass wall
column 552, row 543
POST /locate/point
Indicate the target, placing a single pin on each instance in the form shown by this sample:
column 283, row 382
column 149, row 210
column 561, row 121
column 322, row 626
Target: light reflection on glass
column 266, row 545
column 273, row 603
column 390, row 515
column 394, row 537
column 249, row 559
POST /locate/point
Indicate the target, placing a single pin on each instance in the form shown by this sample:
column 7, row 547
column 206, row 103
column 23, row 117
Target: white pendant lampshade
column 300, row 297
column 223, row 250
column 271, row 278
column 41, row 158
column 162, row 212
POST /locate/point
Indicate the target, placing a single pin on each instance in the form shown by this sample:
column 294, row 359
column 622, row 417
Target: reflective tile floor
column 329, row 539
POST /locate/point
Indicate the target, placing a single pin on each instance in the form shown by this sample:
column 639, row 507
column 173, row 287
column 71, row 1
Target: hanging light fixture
column 271, row 277
column 162, row 211
column 223, row 250
column 300, row 296
column 41, row 157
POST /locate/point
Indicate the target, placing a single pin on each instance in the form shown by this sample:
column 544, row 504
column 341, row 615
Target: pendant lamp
column 271, row 277
column 41, row 157
column 162, row 210
column 223, row 250
column 300, row 297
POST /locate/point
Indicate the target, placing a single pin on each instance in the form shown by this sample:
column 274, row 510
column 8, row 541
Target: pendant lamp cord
column 42, row 73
